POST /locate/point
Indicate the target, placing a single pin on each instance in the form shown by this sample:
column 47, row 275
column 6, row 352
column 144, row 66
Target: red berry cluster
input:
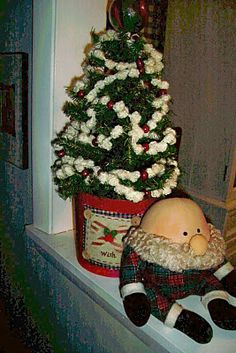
column 140, row 65
column 145, row 146
column 61, row 153
column 146, row 128
column 143, row 175
column 110, row 105
column 85, row 173
column 147, row 193
column 162, row 92
column 81, row 93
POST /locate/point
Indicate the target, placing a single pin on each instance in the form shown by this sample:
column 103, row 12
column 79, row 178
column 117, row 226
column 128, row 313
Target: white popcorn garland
column 121, row 75
column 124, row 70
column 83, row 131
column 79, row 86
column 108, row 36
column 160, row 103
column 152, row 65
column 113, row 178
column 137, row 133
column 69, row 166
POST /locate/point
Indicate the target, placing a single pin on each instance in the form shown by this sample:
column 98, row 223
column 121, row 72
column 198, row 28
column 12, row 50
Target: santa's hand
column 137, row 308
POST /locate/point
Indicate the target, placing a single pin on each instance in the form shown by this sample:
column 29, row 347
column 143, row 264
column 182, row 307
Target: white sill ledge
column 59, row 250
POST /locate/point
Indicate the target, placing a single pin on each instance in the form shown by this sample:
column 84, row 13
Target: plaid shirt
column 154, row 31
column 163, row 287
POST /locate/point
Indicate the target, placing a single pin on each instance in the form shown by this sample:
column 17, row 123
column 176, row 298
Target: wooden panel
column 230, row 223
column 200, row 67
column 214, row 213
column 230, row 239
column 232, row 178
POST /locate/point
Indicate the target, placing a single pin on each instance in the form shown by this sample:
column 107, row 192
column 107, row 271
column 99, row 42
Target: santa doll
column 172, row 254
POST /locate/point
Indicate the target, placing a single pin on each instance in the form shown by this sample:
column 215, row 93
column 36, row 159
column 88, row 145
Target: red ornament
column 162, row 92
column 61, row 153
column 109, row 71
column 115, row 15
column 147, row 194
column 140, row 63
column 85, row 173
column 120, row 8
column 148, row 84
column 143, row 10
column 144, row 175
column 146, row 128
column 145, row 146
column 141, row 70
column 95, row 141
column 110, row 105
column 81, row 93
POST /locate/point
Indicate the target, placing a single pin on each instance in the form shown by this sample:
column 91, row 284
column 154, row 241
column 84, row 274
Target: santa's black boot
column 194, row 326
column 223, row 314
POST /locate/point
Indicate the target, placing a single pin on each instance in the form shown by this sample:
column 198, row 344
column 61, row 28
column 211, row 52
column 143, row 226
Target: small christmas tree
column 118, row 142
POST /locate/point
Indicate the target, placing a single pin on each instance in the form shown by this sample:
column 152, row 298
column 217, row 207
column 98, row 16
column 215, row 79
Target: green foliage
column 137, row 94
column 76, row 110
column 123, row 49
column 94, row 36
column 94, row 61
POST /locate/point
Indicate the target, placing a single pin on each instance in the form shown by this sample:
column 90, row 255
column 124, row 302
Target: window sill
column 59, row 250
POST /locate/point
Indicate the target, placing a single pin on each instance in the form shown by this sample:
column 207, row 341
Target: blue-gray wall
column 16, row 35
column 16, row 191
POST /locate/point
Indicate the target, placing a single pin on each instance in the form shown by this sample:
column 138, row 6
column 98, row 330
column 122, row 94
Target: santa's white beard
column 173, row 256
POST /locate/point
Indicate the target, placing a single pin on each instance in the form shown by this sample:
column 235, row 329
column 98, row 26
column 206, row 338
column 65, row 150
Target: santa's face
column 179, row 220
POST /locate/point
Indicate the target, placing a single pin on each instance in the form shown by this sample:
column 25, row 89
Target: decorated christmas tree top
column 118, row 142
